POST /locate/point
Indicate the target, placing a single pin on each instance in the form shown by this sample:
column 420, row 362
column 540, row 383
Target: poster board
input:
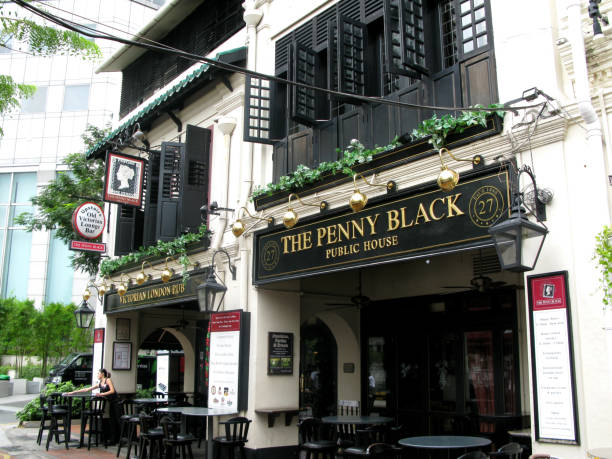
column 280, row 353
column 552, row 359
column 228, row 360
column 122, row 356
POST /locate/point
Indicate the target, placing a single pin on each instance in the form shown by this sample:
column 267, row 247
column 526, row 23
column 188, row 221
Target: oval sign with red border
column 88, row 220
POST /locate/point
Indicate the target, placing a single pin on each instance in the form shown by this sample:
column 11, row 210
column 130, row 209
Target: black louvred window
column 304, row 68
column 169, row 195
column 257, row 113
column 124, row 236
column 194, row 193
column 351, row 46
column 405, row 37
column 151, row 193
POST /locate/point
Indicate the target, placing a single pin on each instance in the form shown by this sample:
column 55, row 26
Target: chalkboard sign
column 280, row 353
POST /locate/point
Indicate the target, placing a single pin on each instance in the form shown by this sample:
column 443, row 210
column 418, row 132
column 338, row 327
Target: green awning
column 178, row 91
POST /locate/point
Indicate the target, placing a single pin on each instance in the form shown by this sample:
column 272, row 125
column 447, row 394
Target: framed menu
column 280, row 353
column 552, row 359
column 122, row 356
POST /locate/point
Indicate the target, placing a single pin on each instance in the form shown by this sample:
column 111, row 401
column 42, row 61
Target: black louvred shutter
column 405, row 37
column 195, row 176
column 124, row 236
column 303, row 64
column 257, row 110
column 151, row 193
column 351, row 48
column 171, row 162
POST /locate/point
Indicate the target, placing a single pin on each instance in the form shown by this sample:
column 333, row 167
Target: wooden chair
column 92, row 416
column 313, row 441
column 349, row 408
column 236, row 431
column 59, row 413
column 44, row 408
column 364, row 438
column 129, row 410
column 173, row 440
column 508, row 451
column 378, row 450
column 151, row 441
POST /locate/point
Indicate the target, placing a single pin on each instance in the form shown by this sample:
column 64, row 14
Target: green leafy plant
column 603, row 255
column 31, row 411
column 177, row 248
column 145, row 393
column 438, row 129
column 352, row 155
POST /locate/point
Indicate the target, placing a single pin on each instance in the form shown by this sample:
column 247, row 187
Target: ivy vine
column 437, row 129
column 603, row 255
column 176, row 248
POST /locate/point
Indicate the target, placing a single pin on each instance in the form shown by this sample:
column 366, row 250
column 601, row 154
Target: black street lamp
column 84, row 315
column 211, row 292
column 518, row 241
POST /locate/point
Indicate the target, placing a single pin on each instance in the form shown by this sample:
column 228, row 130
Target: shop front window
column 480, row 383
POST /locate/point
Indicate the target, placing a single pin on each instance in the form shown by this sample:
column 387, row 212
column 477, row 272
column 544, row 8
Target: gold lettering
column 343, row 231
column 320, row 235
column 421, row 213
column 404, row 219
column 307, row 240
column 431, row 209
column 392, row 220
column 331, row 234
column 372, row 223
column 357, row 227
column 451, row 205
column 285, row 241
column 296, row 245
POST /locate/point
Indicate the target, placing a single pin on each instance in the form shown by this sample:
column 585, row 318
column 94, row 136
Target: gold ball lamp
column 122, row 289
column 141, row 278
column 238, row 228
column 86, row 294
column 358, row 201
column 167, row 274
column 290, row 218
column 102, row 288
column 448, row 179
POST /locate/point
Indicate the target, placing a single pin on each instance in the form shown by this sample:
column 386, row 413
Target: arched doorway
column 318, row 369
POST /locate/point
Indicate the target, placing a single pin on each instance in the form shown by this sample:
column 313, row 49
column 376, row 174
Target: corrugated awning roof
column 177, row 91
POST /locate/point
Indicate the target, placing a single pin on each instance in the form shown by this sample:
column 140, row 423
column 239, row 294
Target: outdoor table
column 448, row 442
column 357, row 420
column 147, row 403
column 198, row 411
column 83, row 397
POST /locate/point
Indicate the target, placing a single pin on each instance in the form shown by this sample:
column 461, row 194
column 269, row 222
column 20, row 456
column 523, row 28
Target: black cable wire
column 241, row 70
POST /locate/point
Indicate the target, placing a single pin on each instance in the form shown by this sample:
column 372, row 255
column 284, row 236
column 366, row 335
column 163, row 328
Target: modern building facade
column 399, row 302
column 45, row 129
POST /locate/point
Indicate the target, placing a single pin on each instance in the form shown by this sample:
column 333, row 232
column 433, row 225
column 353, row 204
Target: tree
column 60, row 197
column 17, row 331
column 42, row 40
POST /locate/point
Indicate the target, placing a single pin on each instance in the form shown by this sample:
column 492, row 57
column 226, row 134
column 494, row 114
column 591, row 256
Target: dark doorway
column 444, row 364
column 318, row 369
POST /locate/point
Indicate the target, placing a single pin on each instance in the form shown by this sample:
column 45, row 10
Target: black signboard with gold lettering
column 400, row 226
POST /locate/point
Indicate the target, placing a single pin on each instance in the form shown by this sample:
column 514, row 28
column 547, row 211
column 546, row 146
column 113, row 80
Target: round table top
column 143, row 401
column 196, row 411
column 359, row 420
column 444, row 442
column 79, row 395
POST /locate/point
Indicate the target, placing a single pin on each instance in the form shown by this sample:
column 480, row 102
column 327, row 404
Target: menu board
column 552, row 359
column 280, row 353
column 224, row 365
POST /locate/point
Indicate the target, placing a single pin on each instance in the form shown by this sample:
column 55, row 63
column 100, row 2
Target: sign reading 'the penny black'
column 280, row 353
column 407, row 225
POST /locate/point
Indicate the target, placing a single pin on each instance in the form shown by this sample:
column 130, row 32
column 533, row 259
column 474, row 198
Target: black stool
column 132, row 435
column 312, row 441
column 151, row 438
column 59, row 413
column 236, row 431
column 128, row 411
column 174, row 441
column 44, row 408
column 93, row 418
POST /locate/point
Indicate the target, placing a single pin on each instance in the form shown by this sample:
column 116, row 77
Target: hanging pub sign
column 280, row 353
column 408, row 224
column 228, row 360
column 552, row 359
column 123, row 179
column 88, row 220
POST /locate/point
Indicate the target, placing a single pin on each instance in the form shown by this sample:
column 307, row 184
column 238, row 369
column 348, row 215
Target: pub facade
column 354, row 272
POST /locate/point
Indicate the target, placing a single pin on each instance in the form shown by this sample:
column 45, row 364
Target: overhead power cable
column 87, row 31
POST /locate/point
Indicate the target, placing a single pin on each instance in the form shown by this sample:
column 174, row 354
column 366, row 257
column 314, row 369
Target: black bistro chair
column 474, row 455
column 44, row 409
column 59, row 413
column 313, row 440
column 129, row 410
column 508, row 451
column 93, row 415
column 236, row 431
column 173, row 440
column 151, row 442
column 365, row 438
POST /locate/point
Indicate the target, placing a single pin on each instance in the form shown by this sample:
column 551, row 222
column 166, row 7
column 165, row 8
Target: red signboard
column 88, row 220
column 88, row 246
column 225, row 321
column 98, row 335
column 548, row 292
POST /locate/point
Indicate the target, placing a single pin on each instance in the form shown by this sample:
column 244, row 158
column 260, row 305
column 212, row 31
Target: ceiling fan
column 358, row 301
column 479, row 282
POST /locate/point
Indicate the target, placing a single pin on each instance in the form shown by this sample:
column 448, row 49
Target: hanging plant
column 176, row 248
column 603, row 255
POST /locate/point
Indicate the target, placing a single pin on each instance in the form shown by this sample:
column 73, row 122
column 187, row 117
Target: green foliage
column 31, row 411
column 60, row 197
column 603, row 255
column 353, row 155
column 439, row 128
column 145, row 393
column 41, row 40
column 176, row 248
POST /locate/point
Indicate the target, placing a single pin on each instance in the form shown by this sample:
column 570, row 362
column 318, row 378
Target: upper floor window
column 37, row 103
column 76, row 97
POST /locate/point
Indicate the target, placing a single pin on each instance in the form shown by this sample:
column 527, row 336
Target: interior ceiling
column 161, row 340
